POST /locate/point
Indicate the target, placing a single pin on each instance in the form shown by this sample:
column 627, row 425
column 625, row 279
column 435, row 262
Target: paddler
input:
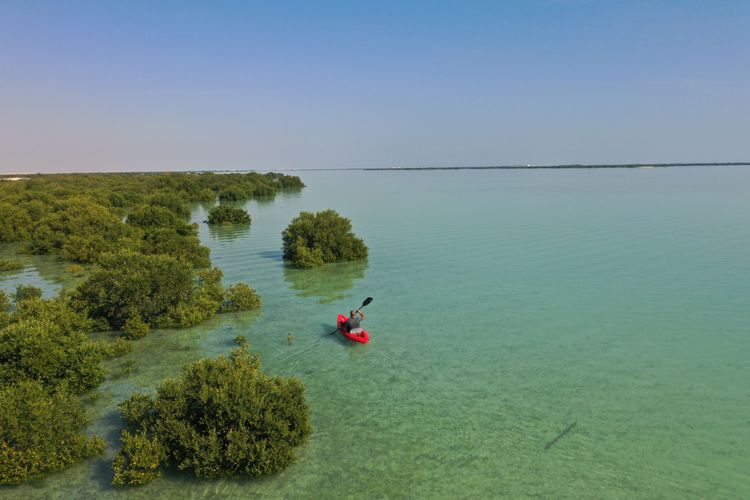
column 352, row 324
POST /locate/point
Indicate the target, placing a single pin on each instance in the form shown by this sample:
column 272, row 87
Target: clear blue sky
column 156, row 85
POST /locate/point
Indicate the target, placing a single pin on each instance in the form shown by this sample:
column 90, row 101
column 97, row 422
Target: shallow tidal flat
column 508, row 306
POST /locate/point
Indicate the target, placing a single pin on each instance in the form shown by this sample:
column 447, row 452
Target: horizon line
column 465, row 167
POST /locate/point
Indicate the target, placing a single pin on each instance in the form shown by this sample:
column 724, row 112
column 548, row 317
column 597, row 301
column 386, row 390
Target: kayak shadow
column 336, row 335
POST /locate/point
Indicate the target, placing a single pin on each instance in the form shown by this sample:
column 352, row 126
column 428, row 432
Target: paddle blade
column 367, row 301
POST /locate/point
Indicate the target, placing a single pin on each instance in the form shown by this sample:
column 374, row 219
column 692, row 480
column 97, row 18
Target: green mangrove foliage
column 240, row 297
column 80, row 216
column 4, row 309
column 15, row 222
column 135, row 292
column 174, row 202
column 25, row 292
column 314, row 239
column 224, row 214
column 164, row 232
column 11, row 265
column 130, row 285
column 46, row 357
column 80, row 229
column 46, row 341
column 222, row 417
column 139, row 459
column 133, row 228
column 41, row 431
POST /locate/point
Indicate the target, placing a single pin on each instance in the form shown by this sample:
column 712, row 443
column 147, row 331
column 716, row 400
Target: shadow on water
column 110, row 427
column 264, row 200
column 335, row 336
column 329, row 283
column 228, row 231
column 272, row 254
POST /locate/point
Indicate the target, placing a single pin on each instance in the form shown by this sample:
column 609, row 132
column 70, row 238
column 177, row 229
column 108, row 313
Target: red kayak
column 362, row 336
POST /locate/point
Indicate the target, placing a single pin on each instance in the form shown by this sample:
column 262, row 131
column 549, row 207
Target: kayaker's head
column 351, row 314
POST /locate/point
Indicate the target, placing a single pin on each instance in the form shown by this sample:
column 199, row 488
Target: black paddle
column 367, row 301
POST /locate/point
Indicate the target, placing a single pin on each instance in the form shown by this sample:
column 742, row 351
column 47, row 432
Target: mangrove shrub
column 314, row 239
column 41, row 431
column 14, row 223
column 128, row 285
column 11, row 265
column 240, row 297
column 81, row 229
column 134, row 292
column 221, row 418
column 224, row 214
column 26, row 292
column 47, row 342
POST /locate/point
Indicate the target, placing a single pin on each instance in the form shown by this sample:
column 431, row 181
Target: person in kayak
column 352, row 324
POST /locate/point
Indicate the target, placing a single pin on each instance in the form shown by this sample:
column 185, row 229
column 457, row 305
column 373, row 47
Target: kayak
column 362, row 337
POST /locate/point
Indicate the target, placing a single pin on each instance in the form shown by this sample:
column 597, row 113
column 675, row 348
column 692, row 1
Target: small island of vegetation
column 221, row 418
column 314, row 239
column 11, row 265
column 224, row 214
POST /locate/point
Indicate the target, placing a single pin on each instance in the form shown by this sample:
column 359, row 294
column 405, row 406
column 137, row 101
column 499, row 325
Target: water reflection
column 329, row 282
column 264, row 200
column 225, row 232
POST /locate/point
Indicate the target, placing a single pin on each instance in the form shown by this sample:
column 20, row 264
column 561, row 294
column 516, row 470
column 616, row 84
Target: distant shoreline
column 476, row 167
column 570, row 166
column 506, row 167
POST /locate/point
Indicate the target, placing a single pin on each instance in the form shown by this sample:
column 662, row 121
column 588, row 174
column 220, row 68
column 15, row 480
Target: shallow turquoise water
column 508, row 305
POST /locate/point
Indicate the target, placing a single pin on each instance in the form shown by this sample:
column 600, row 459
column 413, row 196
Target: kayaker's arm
column 361, row 314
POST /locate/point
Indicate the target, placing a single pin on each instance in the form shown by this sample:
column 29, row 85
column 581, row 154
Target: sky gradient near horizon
column 177, row 85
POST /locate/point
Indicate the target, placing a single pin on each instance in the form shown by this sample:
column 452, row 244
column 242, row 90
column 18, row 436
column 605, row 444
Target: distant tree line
column 83, row 216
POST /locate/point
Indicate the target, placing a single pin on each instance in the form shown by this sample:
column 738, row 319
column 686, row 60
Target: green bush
column 150, row 216
column 135, row 328
column 4, row 309
column 206, row 195
column 311, row 240
column 197, row 309
column 41, row 432
column 40, row 349
column 240, row 297
column 128, row 285
column 222, row 417
column 118, row 347
column 81, row 229
column 11, row 265
column 235, row 194
column 172, row 201
column 4, row 302
column 76, row 269
column 185, row 247
column 224, row 214
column 26, row 292
column 210, row 282
column 14, row 223
column 57, row 311
column 138, row 461
column 166, row 233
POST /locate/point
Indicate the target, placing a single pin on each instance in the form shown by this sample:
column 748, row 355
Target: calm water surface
column 508, row 305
